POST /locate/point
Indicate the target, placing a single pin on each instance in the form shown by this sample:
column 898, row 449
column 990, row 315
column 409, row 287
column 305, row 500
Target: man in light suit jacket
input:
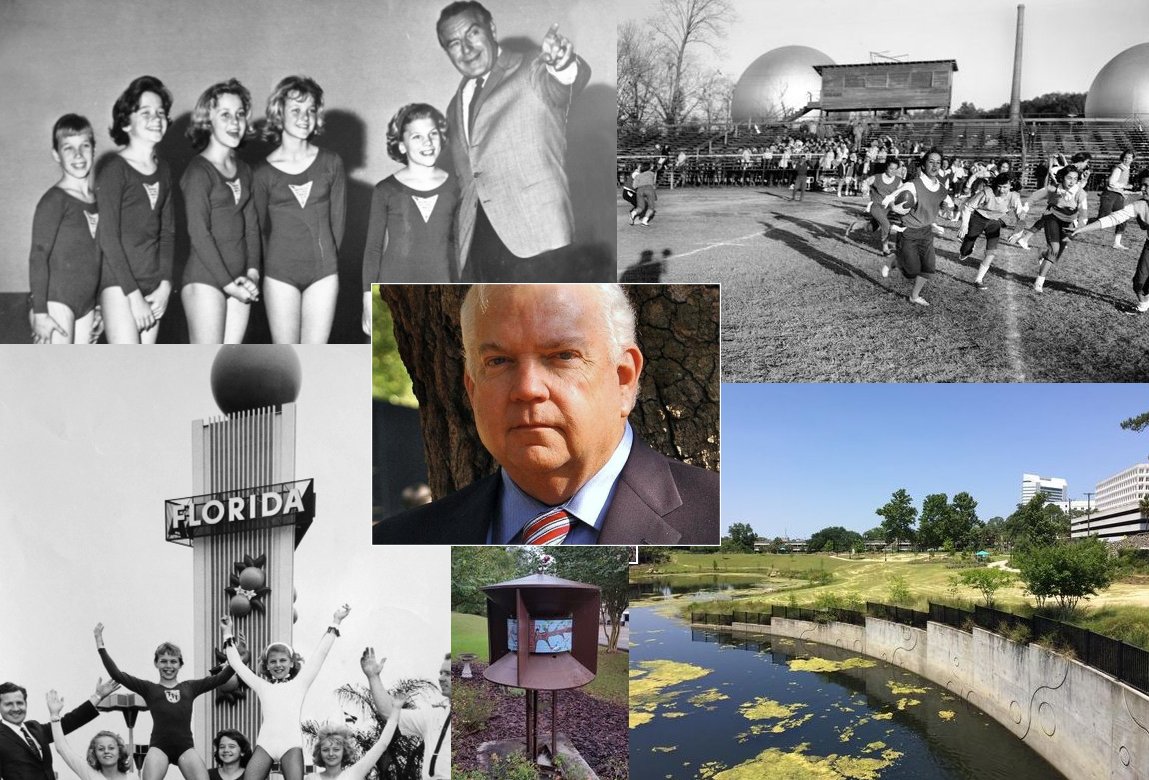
column 20, row 760
column 507, row 134
column 552, row 375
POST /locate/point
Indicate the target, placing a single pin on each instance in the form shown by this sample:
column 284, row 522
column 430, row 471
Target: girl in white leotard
column 337, row 752
column 107, row 758
column 281, row 690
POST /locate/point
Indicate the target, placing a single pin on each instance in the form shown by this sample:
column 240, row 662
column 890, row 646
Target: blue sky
column 797, row 458
column 979, row 34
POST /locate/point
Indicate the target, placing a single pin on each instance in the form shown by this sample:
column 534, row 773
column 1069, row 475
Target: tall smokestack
column 1015, row 92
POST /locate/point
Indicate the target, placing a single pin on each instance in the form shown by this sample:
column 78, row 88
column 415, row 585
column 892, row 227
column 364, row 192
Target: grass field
column 469, row 635
column 1121, row 611
column 803, row 303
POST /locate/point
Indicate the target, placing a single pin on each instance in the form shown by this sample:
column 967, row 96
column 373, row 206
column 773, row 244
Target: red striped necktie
column 551, row 527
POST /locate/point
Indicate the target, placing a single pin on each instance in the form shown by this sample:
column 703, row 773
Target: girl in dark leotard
column 170, row 703
column 300, row 196
column 410, row 235
column 64, row 264
column 221, row 279
column 232, row 751
column 133, row 190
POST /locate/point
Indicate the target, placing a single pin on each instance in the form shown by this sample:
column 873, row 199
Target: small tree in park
column 1067, row 572
column 986, row 581
column 742, row 537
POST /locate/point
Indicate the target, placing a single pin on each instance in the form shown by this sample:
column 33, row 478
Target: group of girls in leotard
column 103, row 251
column 281, row 685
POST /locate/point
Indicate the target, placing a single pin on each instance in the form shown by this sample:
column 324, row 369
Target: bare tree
column 679, row 26
column 636, row 75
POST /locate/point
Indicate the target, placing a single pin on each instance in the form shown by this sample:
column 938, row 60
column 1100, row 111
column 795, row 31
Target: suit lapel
column 646, row 492
column 505, row 64
column 12, row 736
column 471, row 521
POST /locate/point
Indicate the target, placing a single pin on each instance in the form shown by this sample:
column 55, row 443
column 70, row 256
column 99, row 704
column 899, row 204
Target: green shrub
column 899, row 593
column 472, row 708
column 1017, row 633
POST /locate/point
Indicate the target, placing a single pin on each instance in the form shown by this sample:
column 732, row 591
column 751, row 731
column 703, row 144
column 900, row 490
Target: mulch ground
column 803, row 303
column 598, row 729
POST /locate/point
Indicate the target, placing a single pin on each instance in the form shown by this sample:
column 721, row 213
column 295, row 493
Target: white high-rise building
column 1122, row 490
column 1055, row 489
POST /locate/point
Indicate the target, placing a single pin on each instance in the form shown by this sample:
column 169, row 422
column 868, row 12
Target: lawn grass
column 469, row 635
column 787, row 268
column 1119, row 611
column 612, row 683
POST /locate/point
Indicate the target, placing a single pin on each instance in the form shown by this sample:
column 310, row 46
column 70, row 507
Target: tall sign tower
column 243, row 523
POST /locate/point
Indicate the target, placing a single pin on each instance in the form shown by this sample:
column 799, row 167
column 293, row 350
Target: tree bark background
column 677, row 412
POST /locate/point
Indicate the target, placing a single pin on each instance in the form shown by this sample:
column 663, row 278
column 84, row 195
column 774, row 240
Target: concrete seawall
column 1081, row 720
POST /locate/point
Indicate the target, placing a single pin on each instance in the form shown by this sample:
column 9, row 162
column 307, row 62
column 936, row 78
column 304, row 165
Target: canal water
column 701, row 586
column 731, row 706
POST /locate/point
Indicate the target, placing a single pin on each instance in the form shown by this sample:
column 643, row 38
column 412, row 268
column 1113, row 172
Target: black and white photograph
column 194, row 513
column 218, row 172
column 904, row 191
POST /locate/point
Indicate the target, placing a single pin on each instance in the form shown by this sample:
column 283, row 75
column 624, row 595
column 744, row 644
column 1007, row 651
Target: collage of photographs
column 801, row 352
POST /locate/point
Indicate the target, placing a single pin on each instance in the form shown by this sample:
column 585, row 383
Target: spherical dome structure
column 1121, row 88
column 778, row 83
column 247, row 377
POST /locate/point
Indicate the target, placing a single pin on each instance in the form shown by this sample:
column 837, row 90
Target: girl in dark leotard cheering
column 170, row 703
column 410, row 235
column 137, row 234
column 300, row 195
column 221, row 279
column 64, row 265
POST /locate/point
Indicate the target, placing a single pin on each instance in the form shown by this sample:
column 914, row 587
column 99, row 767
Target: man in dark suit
column 552, row 375
column 507, row 135
column 25, row 745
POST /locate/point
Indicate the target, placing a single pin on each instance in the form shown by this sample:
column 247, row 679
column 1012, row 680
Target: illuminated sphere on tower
column 245, row 377
column 778, row 83
column 1121, row 88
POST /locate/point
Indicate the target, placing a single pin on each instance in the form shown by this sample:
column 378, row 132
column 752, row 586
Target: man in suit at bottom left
column 25, row 745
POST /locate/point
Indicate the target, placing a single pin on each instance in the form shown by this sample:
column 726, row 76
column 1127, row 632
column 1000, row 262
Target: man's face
column 445, row 677
column 469, row 42
column 12, row 707
column 550, row 400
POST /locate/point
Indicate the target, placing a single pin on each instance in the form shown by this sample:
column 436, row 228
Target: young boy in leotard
column 281, row 687
column 133, row 191
column 410, row 235
column 300, row 196
column 170, row 704
column 221, row 279
column 64, row 264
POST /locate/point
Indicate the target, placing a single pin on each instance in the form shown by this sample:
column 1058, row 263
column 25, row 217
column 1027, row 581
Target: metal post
column 1015, row 91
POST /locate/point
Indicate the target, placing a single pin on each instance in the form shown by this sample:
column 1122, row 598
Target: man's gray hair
column 615, row 308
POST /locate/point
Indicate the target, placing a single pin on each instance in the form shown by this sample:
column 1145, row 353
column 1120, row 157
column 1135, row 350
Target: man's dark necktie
column 31, row 743
column 473, row 108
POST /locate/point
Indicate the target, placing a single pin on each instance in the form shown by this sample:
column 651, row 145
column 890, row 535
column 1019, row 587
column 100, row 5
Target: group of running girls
column 103, row 243
column 281, row 685
column 905, row 214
